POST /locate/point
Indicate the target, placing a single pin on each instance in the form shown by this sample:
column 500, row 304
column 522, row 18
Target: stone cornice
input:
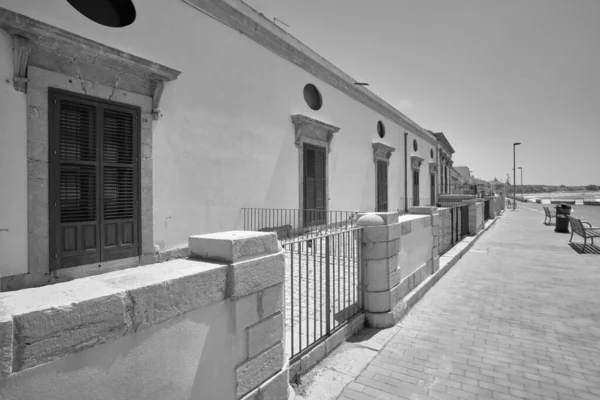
column 444, row 142
column 415, row 162
column 244, row 19
column 382, row 152
column 45, row 46
column 306, row 127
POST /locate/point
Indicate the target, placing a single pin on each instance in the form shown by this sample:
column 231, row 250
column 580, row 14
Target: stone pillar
column 381, row 243
column 475, row 216
column 255, row 286
column 492, row 208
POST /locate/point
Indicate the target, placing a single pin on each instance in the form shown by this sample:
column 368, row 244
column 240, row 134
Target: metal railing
column 453, row 226
column 292, row 224
column 462, row 188
column 322, row 288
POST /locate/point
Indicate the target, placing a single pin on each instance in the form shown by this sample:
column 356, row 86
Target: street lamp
column 521, row 168
column 514, row 175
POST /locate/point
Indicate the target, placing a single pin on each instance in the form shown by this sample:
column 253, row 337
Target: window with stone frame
column 94, row 179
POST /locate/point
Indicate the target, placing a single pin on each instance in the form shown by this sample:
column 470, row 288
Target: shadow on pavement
column 549, row 224
column 589, row 249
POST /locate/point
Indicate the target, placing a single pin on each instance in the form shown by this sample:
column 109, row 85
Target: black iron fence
column 462, row 188
column 453, row 226
column 322, row 288
column 291, row 224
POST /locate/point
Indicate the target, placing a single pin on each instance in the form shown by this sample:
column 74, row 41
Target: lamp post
column 515, row 175
column 521, row 168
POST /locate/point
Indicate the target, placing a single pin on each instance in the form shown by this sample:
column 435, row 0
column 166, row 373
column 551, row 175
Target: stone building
column 118, row 143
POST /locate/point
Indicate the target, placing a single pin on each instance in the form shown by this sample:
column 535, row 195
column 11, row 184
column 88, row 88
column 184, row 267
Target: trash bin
column 562, row 220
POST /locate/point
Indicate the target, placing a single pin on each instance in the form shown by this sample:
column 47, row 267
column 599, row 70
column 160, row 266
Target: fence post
column 475, row 216
column 380, row 246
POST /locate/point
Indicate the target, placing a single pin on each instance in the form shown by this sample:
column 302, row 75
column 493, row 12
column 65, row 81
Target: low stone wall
column 398, row 254
column 210, row 326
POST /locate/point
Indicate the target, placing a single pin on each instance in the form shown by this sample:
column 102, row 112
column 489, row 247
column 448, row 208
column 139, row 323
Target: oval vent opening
column 111, row 13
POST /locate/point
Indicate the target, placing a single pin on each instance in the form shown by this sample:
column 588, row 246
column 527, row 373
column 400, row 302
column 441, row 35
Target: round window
column 112, row 13
column 415, row 145
column 380, row 129
column 313, row 97
column 431, row 153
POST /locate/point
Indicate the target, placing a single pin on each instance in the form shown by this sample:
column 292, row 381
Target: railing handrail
column 299, row 239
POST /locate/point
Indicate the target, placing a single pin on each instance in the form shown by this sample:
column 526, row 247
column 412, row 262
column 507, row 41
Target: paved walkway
column 518, row 317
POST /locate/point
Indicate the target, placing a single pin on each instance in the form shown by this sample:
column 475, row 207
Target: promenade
column 518, row 317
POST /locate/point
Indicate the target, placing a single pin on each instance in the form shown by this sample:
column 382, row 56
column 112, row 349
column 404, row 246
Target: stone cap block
column 43, row 324
column 233, row 246
column 423, row 210
column 387, row 217
column 253, row 275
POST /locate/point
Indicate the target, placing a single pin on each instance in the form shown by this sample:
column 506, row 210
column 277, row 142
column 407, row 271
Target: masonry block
column 6, row 345
column 423, row 210
column 233, row 246
column 271, row 300
column 240, row 350
column 275, row 388
column 382, row 233
column 156, row 299
column 257, row 274
column 380, row 301
column 245, row 311
column 435, row 220
column 378, row 273
column 85, row 320
column 436, row 264
column 394, row 278
column 380, row 250
column 252, row 373
column 405, row 227
column 265, row 334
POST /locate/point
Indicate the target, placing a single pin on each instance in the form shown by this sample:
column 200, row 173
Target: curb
column 404, row 306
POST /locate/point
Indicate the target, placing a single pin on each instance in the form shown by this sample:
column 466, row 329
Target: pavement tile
column 515, row 318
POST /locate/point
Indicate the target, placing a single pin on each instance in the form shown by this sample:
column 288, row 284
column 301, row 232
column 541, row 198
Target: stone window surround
column 45, row 56
column 381, row 152
column 317, row 133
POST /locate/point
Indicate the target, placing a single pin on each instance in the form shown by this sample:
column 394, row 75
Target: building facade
column 119, row 143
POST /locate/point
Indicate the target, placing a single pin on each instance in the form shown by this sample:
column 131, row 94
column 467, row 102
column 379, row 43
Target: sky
column 486, row 73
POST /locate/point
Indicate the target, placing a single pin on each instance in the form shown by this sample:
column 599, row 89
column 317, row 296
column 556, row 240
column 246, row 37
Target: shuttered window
column 382, row 186
column 93, row 180
column 416, row 185
column 314, row 185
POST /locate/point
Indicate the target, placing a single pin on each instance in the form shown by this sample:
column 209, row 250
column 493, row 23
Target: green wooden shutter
column 315, row 171
column 119, row 183
column 382, row 186
column 73, row 183
column 93, row 180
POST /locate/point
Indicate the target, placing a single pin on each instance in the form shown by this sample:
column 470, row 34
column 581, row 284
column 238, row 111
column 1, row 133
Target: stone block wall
column 210, row 326
column 475, row 216
column 398, row 254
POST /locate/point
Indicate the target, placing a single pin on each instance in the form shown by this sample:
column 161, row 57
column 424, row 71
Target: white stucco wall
column 225, row 140
column 13, row 167
column 188, row 357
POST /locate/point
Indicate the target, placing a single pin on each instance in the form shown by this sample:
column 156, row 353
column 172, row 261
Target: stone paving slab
column 517, row 317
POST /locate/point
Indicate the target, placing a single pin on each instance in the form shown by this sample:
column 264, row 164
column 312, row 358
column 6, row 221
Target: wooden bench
column 586, row 233
column 549, row 215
